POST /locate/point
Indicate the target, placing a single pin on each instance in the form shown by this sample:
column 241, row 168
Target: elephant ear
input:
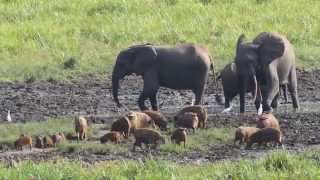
column 143, row 56
column 271, row 46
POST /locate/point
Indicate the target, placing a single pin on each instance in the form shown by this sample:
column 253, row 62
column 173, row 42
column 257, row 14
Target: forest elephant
column 184, row 67
column 268, row 61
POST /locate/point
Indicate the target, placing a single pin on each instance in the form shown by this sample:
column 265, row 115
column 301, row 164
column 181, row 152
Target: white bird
column 9, row 116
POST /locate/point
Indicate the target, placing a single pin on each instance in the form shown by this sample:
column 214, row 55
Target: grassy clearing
column 55, row 39
column 201, row 140
column 198, row 141
column 11, row 131
column 94, row 148
column 277, row 165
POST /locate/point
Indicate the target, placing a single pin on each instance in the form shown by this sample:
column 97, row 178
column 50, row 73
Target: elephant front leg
column 150, row 89
column 154, row 102
column 141, row 103
column 228, row 98
column 198, row 95
column 271, row 90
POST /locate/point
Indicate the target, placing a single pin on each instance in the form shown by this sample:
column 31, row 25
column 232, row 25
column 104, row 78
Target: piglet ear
column 272, row 46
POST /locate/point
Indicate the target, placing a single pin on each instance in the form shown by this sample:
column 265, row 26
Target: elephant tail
column 216, row 78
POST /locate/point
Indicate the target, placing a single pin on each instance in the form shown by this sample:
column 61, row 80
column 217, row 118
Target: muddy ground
column 91, row 95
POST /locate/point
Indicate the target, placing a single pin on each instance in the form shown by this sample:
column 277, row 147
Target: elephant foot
column 296, row 110
column 260, row 110
column 227, row 110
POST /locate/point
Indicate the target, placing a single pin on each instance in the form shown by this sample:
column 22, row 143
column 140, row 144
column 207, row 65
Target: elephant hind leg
column 293, row 88
column 285, row 95
column 274, row 103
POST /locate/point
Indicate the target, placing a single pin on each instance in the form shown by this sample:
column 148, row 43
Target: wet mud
column 90, row 95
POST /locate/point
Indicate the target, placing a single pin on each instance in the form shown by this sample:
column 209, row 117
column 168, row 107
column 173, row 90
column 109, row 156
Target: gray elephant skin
column 184, row 67
column 269, row 60
column 229, row 81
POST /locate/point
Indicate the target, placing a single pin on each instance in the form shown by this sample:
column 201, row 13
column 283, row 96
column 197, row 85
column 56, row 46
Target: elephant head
column 252, row 58
column 134, row 60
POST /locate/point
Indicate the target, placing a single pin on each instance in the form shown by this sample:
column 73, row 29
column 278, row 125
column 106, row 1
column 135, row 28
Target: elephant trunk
column 115, row 87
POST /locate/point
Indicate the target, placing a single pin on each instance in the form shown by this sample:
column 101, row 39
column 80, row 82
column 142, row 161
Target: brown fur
column 187, row 120
column 24, row 140
column 147, row 137
column 57, row 138
column 265, row 135
column 243, row 134
column 179, row 135
column 39, row 142
column 112, row 136
column 199, row 110
column 81, row 127
column 159, row 119
column 268, row 120
column 122, row 125
column 47, row 142
column 140, row 120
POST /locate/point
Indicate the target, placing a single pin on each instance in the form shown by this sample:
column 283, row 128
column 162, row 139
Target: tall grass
column 37, row 38
column 293, row 167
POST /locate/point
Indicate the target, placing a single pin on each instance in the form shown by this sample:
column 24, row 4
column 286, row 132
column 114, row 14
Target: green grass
column 198, row 141
column 9, row 132
column 201, row 140
column 55, row 39
column 277, row 165
column 94, row 148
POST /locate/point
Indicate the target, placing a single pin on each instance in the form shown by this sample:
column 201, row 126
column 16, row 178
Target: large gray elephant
column 270, row 61
column 182, row 67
